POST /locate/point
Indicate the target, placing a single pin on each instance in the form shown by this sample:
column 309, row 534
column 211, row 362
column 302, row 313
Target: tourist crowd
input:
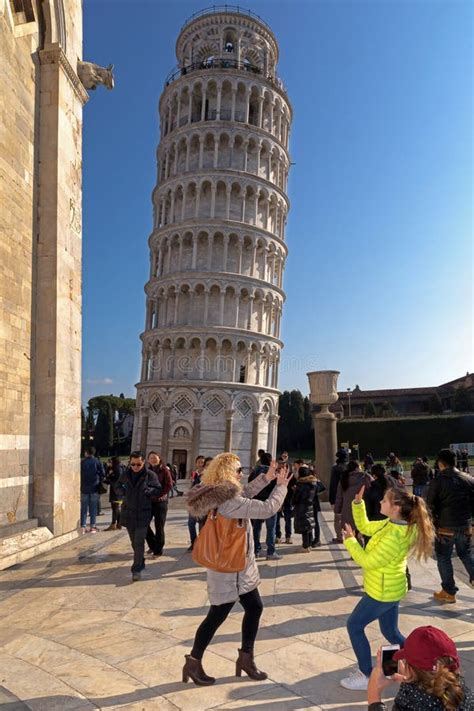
column 379, row 521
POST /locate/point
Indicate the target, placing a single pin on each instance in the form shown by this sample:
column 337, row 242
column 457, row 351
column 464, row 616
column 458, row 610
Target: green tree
column 104, row 430
column 462, row 400
column 308, row 430
column 297, row 419
column 106, row 413
column 369, row 410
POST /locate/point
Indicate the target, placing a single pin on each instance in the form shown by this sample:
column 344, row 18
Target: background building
column 211, row 345
column 455, row 396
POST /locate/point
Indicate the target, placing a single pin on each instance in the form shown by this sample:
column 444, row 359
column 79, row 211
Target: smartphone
column 389, row 665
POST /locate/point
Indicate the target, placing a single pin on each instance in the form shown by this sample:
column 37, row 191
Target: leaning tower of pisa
column 211, row 344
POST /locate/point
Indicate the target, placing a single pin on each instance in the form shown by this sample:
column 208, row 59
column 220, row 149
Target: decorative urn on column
column 323, row 392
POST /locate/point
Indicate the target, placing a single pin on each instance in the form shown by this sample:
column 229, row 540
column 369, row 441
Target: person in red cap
column 429, row 673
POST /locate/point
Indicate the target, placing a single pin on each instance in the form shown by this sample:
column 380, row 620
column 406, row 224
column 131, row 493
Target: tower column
column 255, row 433
column 196, row 433
column 144, row 430
column 165, row 434
column 228, row 430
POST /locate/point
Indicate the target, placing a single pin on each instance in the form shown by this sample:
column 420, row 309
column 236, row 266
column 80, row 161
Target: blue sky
column 379, row 273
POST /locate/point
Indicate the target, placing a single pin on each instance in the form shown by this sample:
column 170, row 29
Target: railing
column 213, row 9
column 211, row 64
column 216, row 63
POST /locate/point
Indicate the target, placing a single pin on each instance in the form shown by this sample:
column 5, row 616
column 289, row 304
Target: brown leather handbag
column 221, row 544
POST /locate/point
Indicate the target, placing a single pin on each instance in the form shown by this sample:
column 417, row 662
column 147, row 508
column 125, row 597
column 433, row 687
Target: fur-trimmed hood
column 310, row 479
column 203, row 498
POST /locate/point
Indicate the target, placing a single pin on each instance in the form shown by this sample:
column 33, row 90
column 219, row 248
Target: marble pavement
column 76, row 634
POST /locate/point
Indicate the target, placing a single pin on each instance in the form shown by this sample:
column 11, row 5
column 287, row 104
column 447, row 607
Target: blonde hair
column 420, row 526
column 222, row 470
column 442, row 683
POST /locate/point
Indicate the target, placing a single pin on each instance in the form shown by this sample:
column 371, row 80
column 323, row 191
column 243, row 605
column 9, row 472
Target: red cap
column 425, row 645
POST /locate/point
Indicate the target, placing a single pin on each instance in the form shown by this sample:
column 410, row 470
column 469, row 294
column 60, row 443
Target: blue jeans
column 192, row 523
column 444, row 550
column 271, row 533
column 286, row 514
column 366, row 611
column 89, row 502
column 420, row 489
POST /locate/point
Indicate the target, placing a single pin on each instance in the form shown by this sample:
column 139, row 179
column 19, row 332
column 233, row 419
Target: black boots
column 193, row 670
column 246, row 663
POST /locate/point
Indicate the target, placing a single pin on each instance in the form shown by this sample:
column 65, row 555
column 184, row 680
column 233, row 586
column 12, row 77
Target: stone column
column 201, row 151
column 254, row 445
column 228, row 430
column 225, row 252
column 190, row 108
column 272, row 434
column 260, row 112
column 323, row 392
column 144, row 430
column 219, row 100
column 165, row 434
column 247, row 104
column 216, row 152
column 213, row 200
column 56, row 319
column 188, row 155
column 196, row 434
column 228, row 190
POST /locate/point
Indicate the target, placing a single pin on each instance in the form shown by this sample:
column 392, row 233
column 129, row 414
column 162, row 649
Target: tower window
column 22, row 11
column 242, row 374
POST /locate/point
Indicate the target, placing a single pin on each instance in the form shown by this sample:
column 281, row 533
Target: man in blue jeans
column 262, row 467
column 450, row 498
column 91, row 473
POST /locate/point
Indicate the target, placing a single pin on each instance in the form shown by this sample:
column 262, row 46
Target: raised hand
column 348, row 531
column 272, row 471
column 360, row 494
column 283, row 475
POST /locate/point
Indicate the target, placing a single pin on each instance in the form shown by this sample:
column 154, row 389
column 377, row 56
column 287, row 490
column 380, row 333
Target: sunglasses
column 239, row 470
column 135, row 466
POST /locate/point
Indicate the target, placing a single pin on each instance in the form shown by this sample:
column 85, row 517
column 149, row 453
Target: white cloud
column 99, row 381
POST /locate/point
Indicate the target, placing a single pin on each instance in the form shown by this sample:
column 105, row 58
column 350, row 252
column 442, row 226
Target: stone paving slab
column 76, row 634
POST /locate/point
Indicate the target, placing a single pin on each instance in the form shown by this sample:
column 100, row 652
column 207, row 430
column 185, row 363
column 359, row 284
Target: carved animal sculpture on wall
column 92, row 74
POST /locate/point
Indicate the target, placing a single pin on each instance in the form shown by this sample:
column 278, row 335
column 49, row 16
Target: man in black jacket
column 450, row 498
column 137, row 484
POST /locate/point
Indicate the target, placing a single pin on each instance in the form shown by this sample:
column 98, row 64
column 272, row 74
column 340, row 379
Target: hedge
column 406, row 436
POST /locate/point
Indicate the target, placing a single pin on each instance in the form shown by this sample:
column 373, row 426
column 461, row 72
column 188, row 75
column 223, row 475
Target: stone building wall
column 211, row 345
column 18, row 91
column 40, row 262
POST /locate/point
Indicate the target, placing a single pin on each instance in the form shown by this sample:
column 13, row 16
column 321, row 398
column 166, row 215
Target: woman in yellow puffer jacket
column 407, row 528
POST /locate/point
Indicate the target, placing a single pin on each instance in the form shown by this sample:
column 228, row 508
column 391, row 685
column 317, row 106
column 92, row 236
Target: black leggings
column 116, row 510
column 253, row 608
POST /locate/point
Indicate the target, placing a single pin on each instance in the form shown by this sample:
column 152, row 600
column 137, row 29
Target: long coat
column 233, row 503
column 303, row 503
column 344, row 498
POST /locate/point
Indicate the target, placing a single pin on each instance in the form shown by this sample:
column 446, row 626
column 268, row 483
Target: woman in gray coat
column 221, row 489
